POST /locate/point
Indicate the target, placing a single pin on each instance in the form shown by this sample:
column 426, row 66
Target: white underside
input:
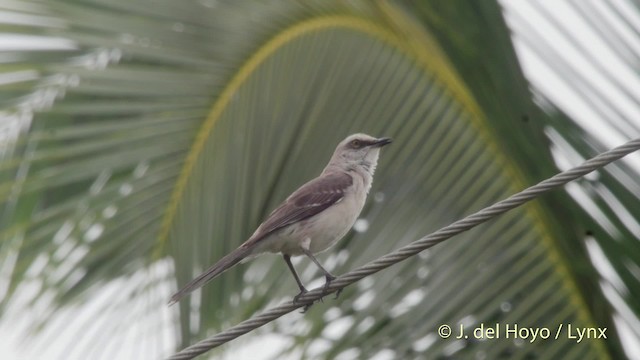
column 317, row 233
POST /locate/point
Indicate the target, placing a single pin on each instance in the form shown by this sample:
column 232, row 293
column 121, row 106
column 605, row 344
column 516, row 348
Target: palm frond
column 162, row 134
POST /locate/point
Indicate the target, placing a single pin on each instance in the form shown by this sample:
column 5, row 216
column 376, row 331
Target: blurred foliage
column 156, row 135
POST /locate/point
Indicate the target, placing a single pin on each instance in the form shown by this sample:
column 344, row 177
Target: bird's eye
column 356, row 143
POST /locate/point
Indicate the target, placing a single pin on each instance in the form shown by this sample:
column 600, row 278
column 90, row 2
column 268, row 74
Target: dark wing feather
column 309, row 200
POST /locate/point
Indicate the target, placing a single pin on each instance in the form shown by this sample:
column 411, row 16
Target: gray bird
column 314, row 217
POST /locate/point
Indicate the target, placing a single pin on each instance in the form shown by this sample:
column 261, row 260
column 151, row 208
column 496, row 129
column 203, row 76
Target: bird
column 313, row 218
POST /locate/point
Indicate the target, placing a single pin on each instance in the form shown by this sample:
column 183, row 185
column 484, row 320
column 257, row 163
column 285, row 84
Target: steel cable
column 410, row 249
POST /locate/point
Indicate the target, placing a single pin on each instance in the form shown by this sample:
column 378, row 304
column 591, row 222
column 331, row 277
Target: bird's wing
column 309, row 200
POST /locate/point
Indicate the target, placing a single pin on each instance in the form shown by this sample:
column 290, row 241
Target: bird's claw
column 296, row 300
column 325, row 289
column 297, row 297
column 337, row 293
column 329, row 278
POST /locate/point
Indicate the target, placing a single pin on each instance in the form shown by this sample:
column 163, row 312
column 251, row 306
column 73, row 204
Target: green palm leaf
column 163, row 133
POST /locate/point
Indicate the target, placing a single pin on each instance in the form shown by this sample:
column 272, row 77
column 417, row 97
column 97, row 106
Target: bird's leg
column 303, row 290
column 327, row 275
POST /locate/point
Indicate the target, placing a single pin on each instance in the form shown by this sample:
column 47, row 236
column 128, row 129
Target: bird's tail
column 218, row 268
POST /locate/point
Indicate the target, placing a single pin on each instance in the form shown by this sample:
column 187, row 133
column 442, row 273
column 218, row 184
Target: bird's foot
column 325, row 290
column 329, row 278
column 337, row 294
column 296, row 299
column 305, row 308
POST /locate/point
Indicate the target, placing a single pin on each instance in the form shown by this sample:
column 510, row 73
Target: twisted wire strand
column 410, row 249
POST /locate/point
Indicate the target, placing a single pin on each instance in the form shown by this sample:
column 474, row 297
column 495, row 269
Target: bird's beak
column 381, row 142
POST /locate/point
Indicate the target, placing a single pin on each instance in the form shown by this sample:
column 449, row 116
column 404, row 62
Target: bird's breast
column 331, row 225
column 323, row 229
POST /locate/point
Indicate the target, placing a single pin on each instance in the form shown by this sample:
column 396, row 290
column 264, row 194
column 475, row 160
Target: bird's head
column 358, row 151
